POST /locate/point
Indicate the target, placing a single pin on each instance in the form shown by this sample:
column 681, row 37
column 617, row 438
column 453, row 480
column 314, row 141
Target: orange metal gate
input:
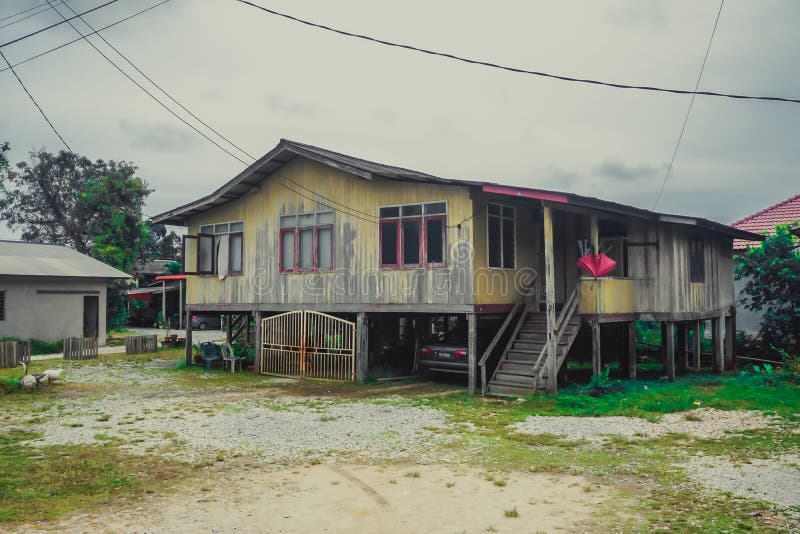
column 308, row 344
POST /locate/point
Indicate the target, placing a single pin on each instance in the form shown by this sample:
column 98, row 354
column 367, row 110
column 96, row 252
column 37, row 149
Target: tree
column 772, row 274
column 93, row 207
column 162, row 245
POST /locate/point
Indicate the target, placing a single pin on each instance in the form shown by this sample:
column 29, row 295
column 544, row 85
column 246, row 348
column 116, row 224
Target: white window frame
column 502, row 217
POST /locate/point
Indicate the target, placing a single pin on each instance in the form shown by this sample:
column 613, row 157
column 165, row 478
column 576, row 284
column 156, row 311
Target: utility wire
column 37, row 32
column 689, row 110
column 83, row 37
column 24, row 18
column 22, row 12
column 17, row 64
column 164, row 91
column 515, row 69
column 143, row 89
column 35, row 103
column 199, row 120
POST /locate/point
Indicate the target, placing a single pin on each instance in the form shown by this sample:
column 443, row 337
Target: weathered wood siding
column 663, row 283
column 616, row 296
column 357, row 277
column 498, row 286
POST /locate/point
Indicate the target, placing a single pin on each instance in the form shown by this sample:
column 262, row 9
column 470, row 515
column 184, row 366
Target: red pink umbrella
column 597, row 265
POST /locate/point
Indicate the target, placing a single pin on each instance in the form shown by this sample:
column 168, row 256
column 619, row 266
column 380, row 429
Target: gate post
column 362, row 346
column 257, row 345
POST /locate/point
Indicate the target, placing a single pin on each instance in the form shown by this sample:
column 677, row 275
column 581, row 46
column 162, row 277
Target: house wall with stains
column 357, row 277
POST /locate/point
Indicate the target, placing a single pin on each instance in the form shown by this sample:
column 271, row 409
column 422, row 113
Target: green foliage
column 93, row 207
column 772, row 274
column 40, row 347
column 601, row 384
column 174, row 267
column 161, row 245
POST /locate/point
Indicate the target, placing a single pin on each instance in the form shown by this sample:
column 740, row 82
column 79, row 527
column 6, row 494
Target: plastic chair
column 227, row 356
column 209, row 352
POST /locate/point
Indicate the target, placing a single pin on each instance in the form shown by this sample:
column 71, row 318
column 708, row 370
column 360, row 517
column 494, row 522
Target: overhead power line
column 120, row 21
column 689, row 110
column 352, row 211
column 37, row 32
column 22, row 12
column 35, row 103
column 24, row 18
column 164, row 91
column 143, row 89
column 515, row 69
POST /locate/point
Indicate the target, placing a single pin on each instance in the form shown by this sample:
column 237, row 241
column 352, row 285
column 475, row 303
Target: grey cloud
column 280, row 104
column 620, row 171
column 384, row 115
column 650, row 14
column 159, row 137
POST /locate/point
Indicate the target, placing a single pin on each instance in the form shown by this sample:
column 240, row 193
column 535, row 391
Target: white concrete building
column 50, row 292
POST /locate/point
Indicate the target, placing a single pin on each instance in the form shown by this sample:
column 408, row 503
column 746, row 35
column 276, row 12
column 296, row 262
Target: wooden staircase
column 522, row 368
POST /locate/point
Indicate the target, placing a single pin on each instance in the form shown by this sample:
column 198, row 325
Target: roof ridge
column 764, row 210
column 21, row 242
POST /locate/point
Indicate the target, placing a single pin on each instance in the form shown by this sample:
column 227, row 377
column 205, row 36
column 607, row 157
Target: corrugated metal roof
column 785, row 211
column 286, row 150
column 32, row 259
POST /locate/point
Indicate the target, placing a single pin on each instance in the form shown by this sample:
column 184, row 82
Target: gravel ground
column 775, row 480
column 700, row 423
column 273, row 430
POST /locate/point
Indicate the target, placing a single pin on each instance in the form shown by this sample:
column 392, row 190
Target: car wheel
column 202, row 326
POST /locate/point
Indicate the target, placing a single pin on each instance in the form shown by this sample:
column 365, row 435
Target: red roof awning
column 147, row 297
column 171, row 277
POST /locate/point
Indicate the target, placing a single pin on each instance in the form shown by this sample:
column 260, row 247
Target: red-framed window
column 306, row 242
column 413, row 235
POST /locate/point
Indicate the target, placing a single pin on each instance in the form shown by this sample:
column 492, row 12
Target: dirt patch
column 700, row 423
column 358, row 499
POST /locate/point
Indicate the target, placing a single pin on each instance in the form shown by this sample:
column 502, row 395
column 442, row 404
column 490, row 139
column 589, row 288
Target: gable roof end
column 34, row 259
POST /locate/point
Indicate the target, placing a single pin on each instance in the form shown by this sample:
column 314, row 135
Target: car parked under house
column 333, row 254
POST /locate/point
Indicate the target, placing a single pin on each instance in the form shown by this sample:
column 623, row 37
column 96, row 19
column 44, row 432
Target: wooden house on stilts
column 327, row 253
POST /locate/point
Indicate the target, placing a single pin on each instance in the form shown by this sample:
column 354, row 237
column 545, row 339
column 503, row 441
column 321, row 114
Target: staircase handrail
column 524, row 301
column 564, row 317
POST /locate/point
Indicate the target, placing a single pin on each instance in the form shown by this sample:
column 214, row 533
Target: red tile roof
column 783, row 212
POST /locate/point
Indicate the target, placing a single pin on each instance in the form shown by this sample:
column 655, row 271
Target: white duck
column 51, row 375
column 28, row 381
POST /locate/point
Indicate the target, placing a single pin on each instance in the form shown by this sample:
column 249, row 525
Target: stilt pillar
column 550, row 301
column 188, row 353
column 632, row 350
column 472, row 350
column 362, row 347
column 730, row 341
column 698, row 344
column 683, row 347
column 597, row 358
column 257, row 342
column 718, row 348
column 669, row 350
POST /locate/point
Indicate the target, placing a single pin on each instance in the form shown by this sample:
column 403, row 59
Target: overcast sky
column 257, row 78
